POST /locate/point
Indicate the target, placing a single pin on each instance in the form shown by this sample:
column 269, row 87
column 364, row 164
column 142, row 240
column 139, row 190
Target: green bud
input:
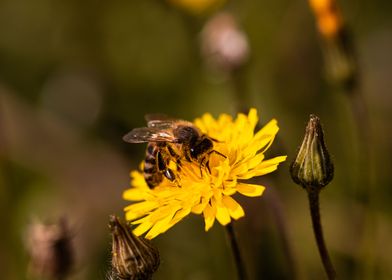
column 133, row 258
column 312, row 167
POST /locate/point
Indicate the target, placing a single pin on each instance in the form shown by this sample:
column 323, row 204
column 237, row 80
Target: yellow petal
column 222, row 214
column 134, row 194
column 199, row 208
column 180, row 214
column 160, row 227
column 235, row 210
column 245, row 165
column 266, row 167
column 130, row 215
column 209, row 214
column 137, row 180
column 145, row 206
column 250, row 190
column 264, row 137
column 253, row 118
column 164, row 212
column 142, row 228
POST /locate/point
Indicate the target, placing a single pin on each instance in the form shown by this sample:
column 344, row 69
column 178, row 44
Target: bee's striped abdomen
column 151, row 174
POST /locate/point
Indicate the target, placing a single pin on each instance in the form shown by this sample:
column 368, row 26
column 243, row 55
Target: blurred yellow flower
column 327, row 13
column 197, row 6
column 210, row 194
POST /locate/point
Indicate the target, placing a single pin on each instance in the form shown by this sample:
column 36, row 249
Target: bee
column 170, row 139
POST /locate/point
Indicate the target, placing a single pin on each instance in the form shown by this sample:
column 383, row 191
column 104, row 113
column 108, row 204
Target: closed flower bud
column 133, row 258
column 49, row 246
column 312, row 167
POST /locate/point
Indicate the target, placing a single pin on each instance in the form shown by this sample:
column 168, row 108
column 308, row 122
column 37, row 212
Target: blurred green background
column 75, row 76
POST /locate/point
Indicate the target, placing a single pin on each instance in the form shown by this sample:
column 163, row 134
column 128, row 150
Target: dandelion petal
column 235, row 210
column 209, row 216
column 250, row 190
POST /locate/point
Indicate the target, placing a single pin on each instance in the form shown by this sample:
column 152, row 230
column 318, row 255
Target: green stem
column 236, row 252
column 275, row 204
column 313, row 196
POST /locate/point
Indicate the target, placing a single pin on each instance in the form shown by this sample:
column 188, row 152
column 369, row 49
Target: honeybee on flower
column 239, row 156
column 170, row 140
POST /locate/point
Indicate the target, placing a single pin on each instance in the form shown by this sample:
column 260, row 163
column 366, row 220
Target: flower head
column 207, row 192
column 313, row 166
column 133, row 258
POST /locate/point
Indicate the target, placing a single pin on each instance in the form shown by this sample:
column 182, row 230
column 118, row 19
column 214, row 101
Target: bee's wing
column 147, row 134
column 162, row 124
column 156, row 117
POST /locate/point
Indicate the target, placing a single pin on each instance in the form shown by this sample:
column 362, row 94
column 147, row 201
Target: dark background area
column 75, row 76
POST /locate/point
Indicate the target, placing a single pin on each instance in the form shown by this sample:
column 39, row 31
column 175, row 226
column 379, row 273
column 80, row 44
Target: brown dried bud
column 312, row 167
column 133, row 258
column 49, row 246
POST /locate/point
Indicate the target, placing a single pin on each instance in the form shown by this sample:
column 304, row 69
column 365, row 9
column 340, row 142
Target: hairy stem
column 313, row 196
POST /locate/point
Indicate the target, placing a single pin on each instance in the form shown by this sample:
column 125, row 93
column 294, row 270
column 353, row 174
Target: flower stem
column 236, row 252
column 313, row 195
column 274, row 202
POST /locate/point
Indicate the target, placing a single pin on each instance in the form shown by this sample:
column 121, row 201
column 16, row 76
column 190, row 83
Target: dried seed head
column 49, row 246
column 312, row 167
column 133, row 258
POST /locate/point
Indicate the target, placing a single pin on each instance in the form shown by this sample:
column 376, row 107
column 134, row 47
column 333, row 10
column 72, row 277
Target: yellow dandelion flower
column 207, row 192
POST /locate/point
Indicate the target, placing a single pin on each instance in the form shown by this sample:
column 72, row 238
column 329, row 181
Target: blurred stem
column 342, row 64
column 241, row 271
column 275, row 204
column 313, row 195
column 241, row 98
column 365, row 263
column 352, row 88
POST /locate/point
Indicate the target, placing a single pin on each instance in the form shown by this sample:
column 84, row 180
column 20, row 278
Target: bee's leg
column 208, row 159
column 201, row 171
column 178, row 162
column 204, row 136
column 218, row 153
column 169, row 174
column 207, row 165
column 215, row 140
column 161, row 164
column 163, row 168
column 187, row 157
column 176, row 156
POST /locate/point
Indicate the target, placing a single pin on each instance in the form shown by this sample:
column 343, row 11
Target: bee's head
column 200, row 148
